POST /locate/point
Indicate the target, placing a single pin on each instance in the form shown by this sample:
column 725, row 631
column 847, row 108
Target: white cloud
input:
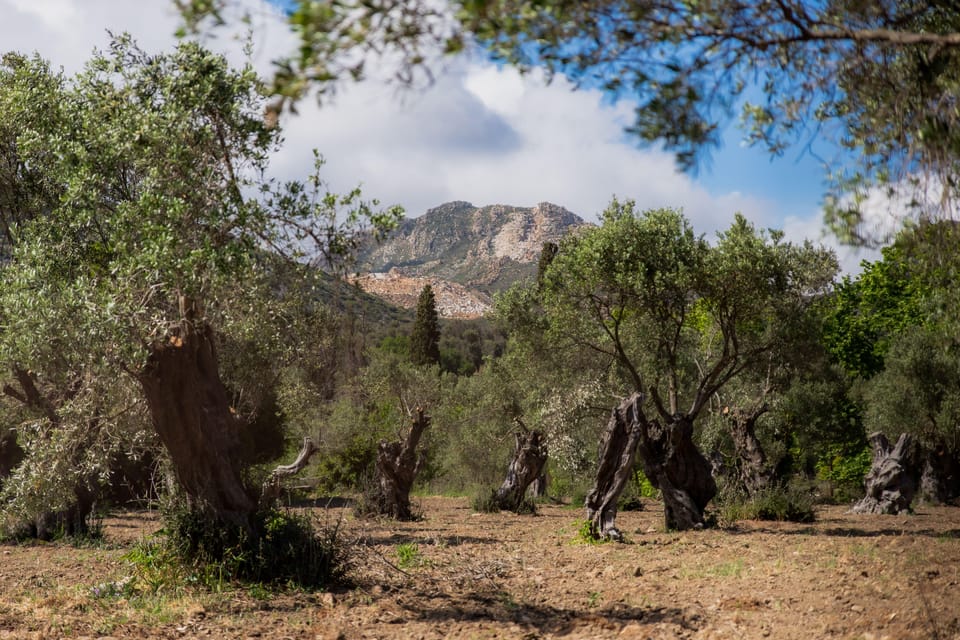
column 56, row 15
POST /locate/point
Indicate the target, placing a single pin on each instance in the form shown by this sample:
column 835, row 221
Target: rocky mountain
column 483, row 249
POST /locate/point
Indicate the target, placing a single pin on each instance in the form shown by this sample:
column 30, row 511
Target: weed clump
column 487, row 502
column 279, row 548
column 779, row 503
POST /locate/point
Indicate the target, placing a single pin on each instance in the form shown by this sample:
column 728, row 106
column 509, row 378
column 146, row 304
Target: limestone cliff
column 482, row 248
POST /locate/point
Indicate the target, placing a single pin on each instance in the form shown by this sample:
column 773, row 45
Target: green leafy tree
column 156, row 247
column 866, row 312
column 425, row 335
column 679, row 319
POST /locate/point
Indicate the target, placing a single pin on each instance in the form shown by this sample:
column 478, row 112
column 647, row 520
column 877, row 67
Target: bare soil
column 459, row 574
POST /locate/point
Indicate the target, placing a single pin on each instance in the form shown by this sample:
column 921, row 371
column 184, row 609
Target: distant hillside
column 453, row 300
column 482, row 248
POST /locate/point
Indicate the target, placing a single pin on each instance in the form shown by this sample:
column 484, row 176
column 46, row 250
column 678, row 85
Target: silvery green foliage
column 142, row 181
column 571, row 425
column 93, row 429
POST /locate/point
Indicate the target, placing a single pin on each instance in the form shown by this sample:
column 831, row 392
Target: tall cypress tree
column 425, row 338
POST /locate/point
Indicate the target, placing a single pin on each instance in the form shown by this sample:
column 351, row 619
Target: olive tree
column 158, row 244
column 679, row 319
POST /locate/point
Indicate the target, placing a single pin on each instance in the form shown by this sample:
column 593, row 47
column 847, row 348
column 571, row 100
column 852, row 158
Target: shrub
column 844, row 467
column 280, row 548
column 486, row 502
column 780, row 503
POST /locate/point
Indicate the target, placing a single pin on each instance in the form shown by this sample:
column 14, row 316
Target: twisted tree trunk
column 398, row 464
column 671, row 461
column 940, row 481
column 752, row 472
column 529, row 460
column 893, row 478
column 618, row 448
column 538, row 488
column 673, row 464
column 192, row 416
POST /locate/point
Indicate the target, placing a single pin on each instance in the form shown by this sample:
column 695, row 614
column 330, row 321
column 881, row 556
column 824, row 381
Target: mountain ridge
column 484, row 250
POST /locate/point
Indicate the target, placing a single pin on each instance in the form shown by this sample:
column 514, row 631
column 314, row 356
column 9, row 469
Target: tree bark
column 529, row 459
column 271, row 488
column 674, row 465
column 618, row 449
column 941, row 475
column 191, row 413
column 893, row 478
column 670, row 459
column 752, row 472
column 398, row 464
column 538, row 488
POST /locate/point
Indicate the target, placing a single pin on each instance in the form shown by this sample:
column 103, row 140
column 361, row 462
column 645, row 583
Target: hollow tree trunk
column 529, row 459
column 398, row 464
column 191, row 413
column 752, row 471
column 618, row 448
column 893, row 478
column 674, row 465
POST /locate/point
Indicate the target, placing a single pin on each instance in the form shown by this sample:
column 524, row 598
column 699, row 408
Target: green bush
column 280, row 548
column 780, row 503
column 486, row 502
column 844, row 467
column 638, row 487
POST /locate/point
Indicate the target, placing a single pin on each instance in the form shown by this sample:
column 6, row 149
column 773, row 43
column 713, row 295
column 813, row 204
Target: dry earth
column 468, row 575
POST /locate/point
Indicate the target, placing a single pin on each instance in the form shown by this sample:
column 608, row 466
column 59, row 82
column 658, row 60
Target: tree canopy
column 877, row 80
column 677, row 316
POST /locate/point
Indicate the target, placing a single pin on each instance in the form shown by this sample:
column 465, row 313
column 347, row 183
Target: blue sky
column 481, row 133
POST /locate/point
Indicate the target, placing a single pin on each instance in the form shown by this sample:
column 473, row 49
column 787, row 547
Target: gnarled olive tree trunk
column 271, row 488
column 894, row 476
column 752, row 472
column 618, row 449
column 529, row 460
column 674, row 465
column 192, row 416
column 398, row 464
column 670, row 459
column 940, row 480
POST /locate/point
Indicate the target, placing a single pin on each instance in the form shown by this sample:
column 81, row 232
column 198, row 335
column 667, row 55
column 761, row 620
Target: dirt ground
column 459, row 574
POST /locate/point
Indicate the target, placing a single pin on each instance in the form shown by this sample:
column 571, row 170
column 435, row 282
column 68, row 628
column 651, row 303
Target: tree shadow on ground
column 400, row 537
column 846, row 532
column 543, row 618
column 322, row 502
